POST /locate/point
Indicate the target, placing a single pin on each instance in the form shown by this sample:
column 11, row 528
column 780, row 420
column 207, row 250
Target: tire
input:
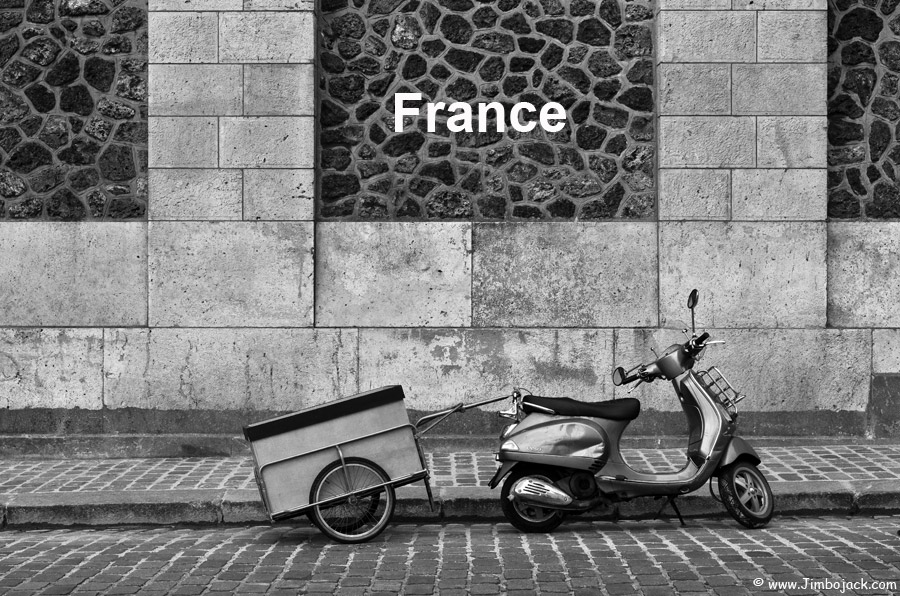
column 529, row 518
column 357, row 518
column 746, row 494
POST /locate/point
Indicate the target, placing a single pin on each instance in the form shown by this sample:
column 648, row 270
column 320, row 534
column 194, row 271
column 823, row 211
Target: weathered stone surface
column 280, row 37
column 27, row 157
column 195, row 90
column 12, row 107
column 183, row 37
column 561, row 275
column 234, row 369
column 886, row 351
column 828, row 369
column 694, row 89
column 279, row 195
column 99, row 73
column 752, row 274
column 465, row 363
column 80, row 8
column 792, row 36
column 183, row 142
column 42, row 98
column 789, row 89
column 791, row 142
column 11, row 185
column 241, row 274
column 707, row 141
column 73, row 274
column 266, row 142
column 393, row 274
column 862, row 292
column 694, row 194
column 714, row 36
column 795, row 194
column 41, row 50
column 195, row 194
column 279, row 89
column 51, row 368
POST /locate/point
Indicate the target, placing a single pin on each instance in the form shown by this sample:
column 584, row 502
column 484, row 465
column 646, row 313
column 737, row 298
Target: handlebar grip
column 703, row 337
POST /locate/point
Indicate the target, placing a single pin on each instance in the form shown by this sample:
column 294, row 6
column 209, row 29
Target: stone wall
column 594, row 58
column 73, row 97
column 231, row 304
column 863, row 113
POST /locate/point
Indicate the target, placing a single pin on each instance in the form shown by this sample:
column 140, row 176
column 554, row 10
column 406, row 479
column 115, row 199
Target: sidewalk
column 828, row 479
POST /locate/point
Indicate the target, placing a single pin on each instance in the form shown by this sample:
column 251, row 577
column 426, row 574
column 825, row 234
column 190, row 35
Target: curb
column 232, row 506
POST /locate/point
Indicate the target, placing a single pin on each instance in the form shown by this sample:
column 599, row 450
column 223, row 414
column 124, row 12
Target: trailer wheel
column 366, row 510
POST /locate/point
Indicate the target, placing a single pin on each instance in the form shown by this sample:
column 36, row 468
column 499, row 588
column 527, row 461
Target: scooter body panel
column 737, row 449
column 569, row 442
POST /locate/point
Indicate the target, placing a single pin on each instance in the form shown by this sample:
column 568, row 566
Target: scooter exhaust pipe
column 544, row 494
column 538, row 492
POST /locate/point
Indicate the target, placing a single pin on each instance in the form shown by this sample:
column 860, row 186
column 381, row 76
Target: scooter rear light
column 509, row 446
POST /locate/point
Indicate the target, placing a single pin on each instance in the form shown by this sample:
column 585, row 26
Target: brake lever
column 715, row 341
column 635, row 386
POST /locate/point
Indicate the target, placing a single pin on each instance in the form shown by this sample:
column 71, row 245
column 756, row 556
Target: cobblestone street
column 647, row 557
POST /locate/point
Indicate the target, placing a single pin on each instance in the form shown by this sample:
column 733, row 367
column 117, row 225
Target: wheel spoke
column 745, row 497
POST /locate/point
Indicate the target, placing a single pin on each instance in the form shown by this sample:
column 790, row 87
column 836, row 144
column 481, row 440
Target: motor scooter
column 562, row 456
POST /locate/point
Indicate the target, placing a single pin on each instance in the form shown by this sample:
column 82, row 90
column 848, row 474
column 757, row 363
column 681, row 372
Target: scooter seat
column 614, row 409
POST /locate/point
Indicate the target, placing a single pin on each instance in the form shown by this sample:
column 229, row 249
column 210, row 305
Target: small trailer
column 321, row 461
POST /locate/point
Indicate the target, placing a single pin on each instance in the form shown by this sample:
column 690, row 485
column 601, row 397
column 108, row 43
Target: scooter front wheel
column 746, row 494
column 524, row 516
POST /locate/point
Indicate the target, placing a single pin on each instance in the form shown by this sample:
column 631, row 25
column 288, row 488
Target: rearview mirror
column 693, row 299
column 618, row 376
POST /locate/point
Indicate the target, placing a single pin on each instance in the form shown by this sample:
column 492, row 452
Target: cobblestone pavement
column 649, row 558
column 781, row 464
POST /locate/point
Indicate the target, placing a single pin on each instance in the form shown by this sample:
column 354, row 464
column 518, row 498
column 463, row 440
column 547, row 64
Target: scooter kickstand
column 671, row 501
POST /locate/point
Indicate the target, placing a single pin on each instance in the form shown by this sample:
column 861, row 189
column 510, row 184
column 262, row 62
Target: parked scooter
column 563, row 457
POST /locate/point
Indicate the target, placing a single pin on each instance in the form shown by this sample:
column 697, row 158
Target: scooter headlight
column 509, row 446
column 507, row 430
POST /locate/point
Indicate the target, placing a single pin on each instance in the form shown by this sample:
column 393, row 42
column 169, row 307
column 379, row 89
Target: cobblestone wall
column 863, row 84
column 73, row 109
column 595, row 58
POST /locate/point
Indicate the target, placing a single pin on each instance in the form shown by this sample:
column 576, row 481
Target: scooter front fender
column 737, row 449
column 502, row 471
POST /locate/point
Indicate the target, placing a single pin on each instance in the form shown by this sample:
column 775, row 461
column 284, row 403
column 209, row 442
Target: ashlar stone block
column 279, row 194
column 441, row 367
column 694, row 89
column 195, row 194
column 766, row 194
column 706, row 36
column 779, row 89
column 236, row 274
column 749, row 274
column 786, row 36
column 228, row 369
column 69, row 274
column 275, row 37
column 792, row 141
column 793, row 370
column 183, row 142
column 51, row 368
column 863, row 259
column 780, row 4
column 267, row 142
column 565, row 275
column 694, row 194
column 886, row 351
column 707, row 141
column 181, row 37
column 279, row 89
column 195, row 89
column 393, row 274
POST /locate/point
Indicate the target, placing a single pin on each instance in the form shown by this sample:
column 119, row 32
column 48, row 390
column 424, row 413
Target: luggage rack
column 721, row 389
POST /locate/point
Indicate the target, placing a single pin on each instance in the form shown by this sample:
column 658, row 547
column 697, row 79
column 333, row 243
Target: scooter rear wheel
column 746, row 494
column 525, row 517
